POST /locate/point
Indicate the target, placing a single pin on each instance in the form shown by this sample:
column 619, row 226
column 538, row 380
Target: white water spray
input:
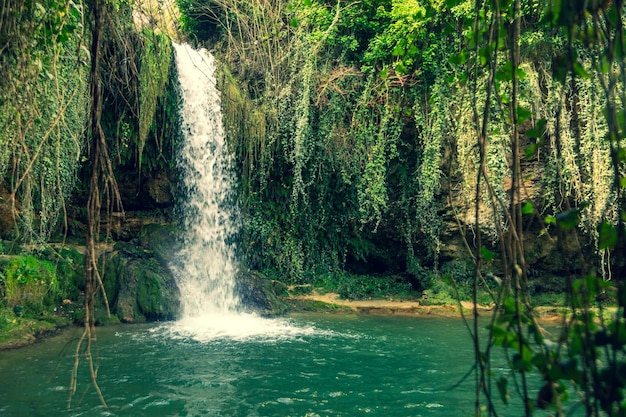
column 206, row 276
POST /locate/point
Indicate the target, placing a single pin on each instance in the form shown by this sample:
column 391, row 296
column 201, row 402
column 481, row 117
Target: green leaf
column 607, row 236
column 452, row 3
column 485, row 55
column 556, row 11
column 577, row 284
column 41, row 8
column 580, row 70
column 509, row 305
column 505, row 72
column 505, row 4
column 523, row 114
column 538, row 130
column 294, row 22
column 498, row 332
column 308, row 3
column 528, row 208
column 540, row 361
column 502, row 389
column 530, row 150
column 568, row 219
column 398, row 51
column 486, row 254
column 520, row 364
column 619, row 51
column 604, row 65
column 550, row 220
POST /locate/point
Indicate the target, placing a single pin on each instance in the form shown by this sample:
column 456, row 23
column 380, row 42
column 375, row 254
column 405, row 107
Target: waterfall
column 206, row 270
column 205, row 267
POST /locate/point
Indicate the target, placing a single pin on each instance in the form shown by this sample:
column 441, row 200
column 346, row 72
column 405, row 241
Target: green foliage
column 400, row 40
column 358, row 24
column 433, row 123
column 376, row 135
column 582, row 362
column 561, row 100
column 30, row 283
column 40, row 285
column 365, row 287
column 316, row 140
column 154, row 72
column 43, row 100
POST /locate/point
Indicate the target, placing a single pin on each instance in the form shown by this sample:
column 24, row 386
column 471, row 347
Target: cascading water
column 206, row 267
column 207, row 261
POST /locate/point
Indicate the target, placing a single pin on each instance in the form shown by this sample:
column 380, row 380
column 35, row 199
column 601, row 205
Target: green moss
column 149, row 291
column 103, row 319
column 20, row 331
column 138, row 286
column 549, row 299
column 38, row 294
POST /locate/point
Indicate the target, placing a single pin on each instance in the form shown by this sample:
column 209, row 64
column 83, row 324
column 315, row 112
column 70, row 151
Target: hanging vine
column 42, row 96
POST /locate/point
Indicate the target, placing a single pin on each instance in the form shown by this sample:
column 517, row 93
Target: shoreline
column 36, row 331
column 331, row 302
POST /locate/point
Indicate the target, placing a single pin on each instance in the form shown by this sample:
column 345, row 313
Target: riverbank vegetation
column 453, row 141
column 450, row 149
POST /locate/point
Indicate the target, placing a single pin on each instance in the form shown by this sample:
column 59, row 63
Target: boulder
column 260, row 294
column 138, row 281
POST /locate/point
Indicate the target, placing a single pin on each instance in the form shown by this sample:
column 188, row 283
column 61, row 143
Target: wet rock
column 159, row 188
column 138, row 281
column 260, row 294
column 146, row 192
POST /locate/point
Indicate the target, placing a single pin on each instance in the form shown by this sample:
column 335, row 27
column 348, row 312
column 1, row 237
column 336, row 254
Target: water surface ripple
column 311, row 365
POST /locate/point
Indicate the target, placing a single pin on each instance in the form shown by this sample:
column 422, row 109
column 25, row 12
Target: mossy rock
column 259, row 294
column 157, row 293
column 16, row 332
column 138, row 286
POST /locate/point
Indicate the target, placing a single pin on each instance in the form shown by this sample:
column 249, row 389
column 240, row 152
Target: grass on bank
column 433, row 290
